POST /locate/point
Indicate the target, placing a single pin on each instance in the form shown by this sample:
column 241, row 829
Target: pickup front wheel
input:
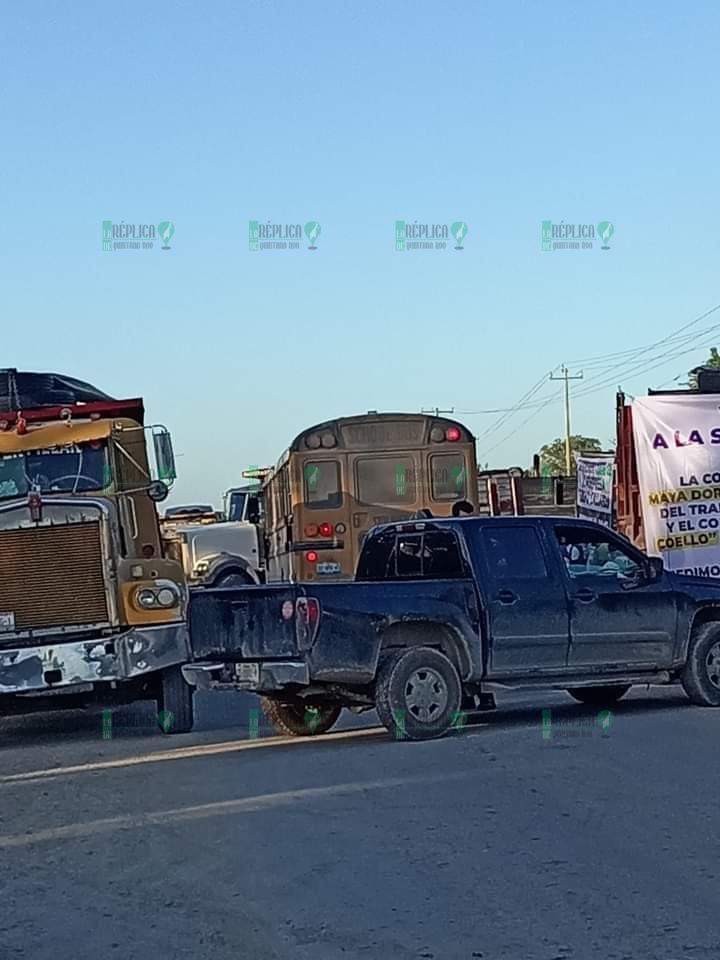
column 418, row 694
column 298, row 719
column 701, row 676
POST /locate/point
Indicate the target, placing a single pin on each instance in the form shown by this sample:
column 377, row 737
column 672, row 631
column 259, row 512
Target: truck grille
column 52, row 576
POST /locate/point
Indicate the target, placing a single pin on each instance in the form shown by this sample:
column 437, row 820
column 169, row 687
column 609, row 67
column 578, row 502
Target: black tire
column 701, row 676
column 600, row 696
column 235, row 578
column 297, row 719
column 175, row 702
column 418, row 694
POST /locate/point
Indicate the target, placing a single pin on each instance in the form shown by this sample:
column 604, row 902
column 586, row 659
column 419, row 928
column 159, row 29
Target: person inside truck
column 12, row 476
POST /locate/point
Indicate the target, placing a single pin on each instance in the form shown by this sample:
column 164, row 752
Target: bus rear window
column 449, row 476
column 385, row 480
column 322, row 484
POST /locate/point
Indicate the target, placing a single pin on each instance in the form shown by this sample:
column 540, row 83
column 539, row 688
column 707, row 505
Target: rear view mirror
column 163, row 467
column 158, row 491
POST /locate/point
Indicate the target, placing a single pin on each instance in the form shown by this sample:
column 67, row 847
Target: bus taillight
column 311, row 556
column 311, row 530
column 452, row 434
column 326, row 530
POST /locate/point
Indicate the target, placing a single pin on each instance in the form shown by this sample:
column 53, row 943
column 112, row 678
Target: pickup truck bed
column 440, row 609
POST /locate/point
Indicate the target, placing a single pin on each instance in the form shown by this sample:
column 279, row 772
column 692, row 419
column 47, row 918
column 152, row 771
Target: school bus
column 342, row 477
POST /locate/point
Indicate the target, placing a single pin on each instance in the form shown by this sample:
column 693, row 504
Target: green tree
column 712, row 363
column 552, row 455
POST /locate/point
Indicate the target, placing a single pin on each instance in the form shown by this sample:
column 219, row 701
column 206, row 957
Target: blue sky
column 212, row 114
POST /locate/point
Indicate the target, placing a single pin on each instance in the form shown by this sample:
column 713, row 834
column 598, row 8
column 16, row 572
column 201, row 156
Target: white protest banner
column 594, row 498
column 677, row 446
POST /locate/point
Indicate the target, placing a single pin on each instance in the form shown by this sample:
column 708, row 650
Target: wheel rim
column 712, row 663
column 426, row 694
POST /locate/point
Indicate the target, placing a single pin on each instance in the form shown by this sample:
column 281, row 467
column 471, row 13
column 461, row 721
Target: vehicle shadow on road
column 240, row 718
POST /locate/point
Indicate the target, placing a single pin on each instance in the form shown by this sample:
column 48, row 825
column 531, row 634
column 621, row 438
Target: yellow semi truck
column 91, row 609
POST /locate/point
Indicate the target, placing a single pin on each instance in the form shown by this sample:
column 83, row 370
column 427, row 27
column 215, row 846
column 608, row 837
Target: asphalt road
column 518, row 838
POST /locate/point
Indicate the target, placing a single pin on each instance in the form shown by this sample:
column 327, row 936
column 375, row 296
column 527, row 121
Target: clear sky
column 354, row 115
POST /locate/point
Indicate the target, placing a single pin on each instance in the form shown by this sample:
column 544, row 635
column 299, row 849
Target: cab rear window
column 429, row 555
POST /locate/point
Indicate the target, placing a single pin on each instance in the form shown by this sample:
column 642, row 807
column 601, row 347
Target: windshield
column 236, row 506
column 71, row 469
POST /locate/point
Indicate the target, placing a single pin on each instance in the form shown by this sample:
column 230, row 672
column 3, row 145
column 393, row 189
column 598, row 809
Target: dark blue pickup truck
column 441, row 610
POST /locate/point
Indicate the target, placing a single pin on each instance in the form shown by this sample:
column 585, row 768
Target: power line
column 619, row 364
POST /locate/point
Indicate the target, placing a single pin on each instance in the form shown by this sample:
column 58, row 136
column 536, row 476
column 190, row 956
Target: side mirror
column 158, row 491
column 655, row 568
column 163, row 467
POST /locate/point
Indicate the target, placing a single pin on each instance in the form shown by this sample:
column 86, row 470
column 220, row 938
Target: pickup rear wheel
column 600, row 696
column 299, row 719
column 418, row 694
column 701, row 676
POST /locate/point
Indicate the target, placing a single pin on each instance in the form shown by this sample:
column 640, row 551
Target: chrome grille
column 52, row 576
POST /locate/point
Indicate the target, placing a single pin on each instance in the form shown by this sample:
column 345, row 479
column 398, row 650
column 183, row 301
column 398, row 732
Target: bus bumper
column 139, row 651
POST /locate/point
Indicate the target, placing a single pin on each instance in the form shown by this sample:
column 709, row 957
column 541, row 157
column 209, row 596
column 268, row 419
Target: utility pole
column 567, row 378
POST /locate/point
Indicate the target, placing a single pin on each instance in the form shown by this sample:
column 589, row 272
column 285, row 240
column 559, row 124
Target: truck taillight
column 326, row 530
column 311, row 556
column 311, row 530
column 452, row 434
column 307, row 616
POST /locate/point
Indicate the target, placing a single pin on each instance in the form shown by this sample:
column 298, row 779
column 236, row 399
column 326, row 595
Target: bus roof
column 338, row 425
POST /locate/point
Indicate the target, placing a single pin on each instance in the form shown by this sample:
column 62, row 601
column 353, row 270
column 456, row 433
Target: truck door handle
column 585, row 595
column 506, row 596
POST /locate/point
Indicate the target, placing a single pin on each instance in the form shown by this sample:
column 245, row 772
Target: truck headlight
column 163, row 595
column 167, row 597
column 146, row 598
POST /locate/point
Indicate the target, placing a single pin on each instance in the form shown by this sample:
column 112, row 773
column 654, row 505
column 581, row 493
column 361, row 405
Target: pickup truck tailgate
column 244, row 623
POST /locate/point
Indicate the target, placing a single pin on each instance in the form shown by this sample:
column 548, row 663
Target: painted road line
column 186, row 753
column 264, row 801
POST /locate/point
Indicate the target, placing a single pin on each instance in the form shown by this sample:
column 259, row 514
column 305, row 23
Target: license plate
column 7, row 621
column 328, row 568
column 247, row 672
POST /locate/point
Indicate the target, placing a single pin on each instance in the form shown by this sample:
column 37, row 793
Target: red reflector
column 311, row 556
column 311, row 530
column 452, row 434
column 326, row 529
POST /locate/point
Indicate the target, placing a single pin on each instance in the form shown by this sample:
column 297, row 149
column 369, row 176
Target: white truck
column 216, row 551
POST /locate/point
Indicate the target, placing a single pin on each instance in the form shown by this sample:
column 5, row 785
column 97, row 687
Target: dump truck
column 91, row 609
